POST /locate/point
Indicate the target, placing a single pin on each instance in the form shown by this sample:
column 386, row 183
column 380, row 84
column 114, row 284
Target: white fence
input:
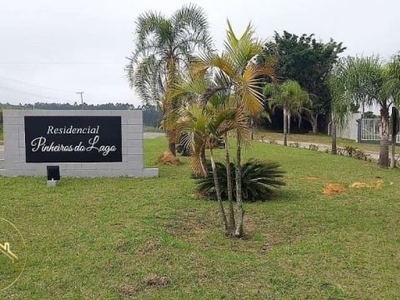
column 369, row 130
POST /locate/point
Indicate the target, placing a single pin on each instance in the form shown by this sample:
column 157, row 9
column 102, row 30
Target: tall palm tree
column 290, row 97
column 340, row 106
column 164, row 47
column 239, row 71
column 392, row 83
column 363, row 80
column 391, row 90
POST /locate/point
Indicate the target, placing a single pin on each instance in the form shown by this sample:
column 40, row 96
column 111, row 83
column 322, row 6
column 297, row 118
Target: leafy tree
column 164, row 48
column 307, row 61
column 369, row 115
column 290, row 97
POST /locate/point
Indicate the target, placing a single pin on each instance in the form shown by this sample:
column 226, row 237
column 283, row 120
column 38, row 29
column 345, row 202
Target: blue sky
column 52, row 49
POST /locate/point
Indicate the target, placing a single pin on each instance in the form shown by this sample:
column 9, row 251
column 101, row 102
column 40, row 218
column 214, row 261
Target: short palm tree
column 290, row 97
column 164, row 47
column 239, row 72
column 204, row 125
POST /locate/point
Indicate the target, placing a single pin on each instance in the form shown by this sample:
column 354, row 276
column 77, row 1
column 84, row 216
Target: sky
column 52, row 49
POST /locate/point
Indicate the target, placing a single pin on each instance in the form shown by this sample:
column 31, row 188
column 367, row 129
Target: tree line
column 151, row 115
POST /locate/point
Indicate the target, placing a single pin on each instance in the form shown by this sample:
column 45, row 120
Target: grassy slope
column 103, row 238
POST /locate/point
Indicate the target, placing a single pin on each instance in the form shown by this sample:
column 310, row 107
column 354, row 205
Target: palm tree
column 363, row 80
column 164, row 47
column 205, row 92
column 391, row 90
column 204, row 125
column 290, row 97
column 340, row 108
column 239, row 71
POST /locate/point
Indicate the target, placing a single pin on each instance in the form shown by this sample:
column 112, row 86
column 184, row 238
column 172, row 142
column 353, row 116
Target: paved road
column 150, row 135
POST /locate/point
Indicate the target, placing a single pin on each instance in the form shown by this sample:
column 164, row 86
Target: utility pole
column 81, row 93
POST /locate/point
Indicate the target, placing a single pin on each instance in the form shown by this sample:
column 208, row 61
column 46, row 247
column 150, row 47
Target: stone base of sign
column 51, row 183
column 15, row 164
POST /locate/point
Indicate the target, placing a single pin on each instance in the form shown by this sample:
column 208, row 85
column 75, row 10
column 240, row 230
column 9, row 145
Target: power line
column 34, row 94
column 62, row 63
column 33, row 85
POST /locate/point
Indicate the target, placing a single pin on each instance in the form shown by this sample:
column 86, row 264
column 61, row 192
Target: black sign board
column 73, row 139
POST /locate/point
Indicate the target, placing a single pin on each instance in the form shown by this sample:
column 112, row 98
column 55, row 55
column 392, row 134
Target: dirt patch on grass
column 167, row 158
column 127, row 289
column 156, row 281
column 364, row 185
column 333, row 188
column 149, row 247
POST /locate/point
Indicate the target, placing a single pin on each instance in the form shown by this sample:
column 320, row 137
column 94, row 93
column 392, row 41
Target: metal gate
column 369, row 131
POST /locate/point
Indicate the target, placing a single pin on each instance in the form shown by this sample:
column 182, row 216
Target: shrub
column 259, row 178
column 360, row 154
column 354, row 152
column 349, row 151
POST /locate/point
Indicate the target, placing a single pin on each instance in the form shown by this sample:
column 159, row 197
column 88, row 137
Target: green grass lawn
column 130, row 238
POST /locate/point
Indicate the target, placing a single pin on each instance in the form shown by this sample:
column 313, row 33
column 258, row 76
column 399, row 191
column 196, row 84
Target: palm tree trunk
column 218, row 192
column 313, row 119
column 172, row 148
column 170, row 104
column 285, row 115
column 203, row 159
column 203, row 162
column 240, row 212
column 334, row 137
column 384, row 139
column 395, row 131
column 252, row 128
column 289, row 116
column 231, row 219
column 393, row 160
